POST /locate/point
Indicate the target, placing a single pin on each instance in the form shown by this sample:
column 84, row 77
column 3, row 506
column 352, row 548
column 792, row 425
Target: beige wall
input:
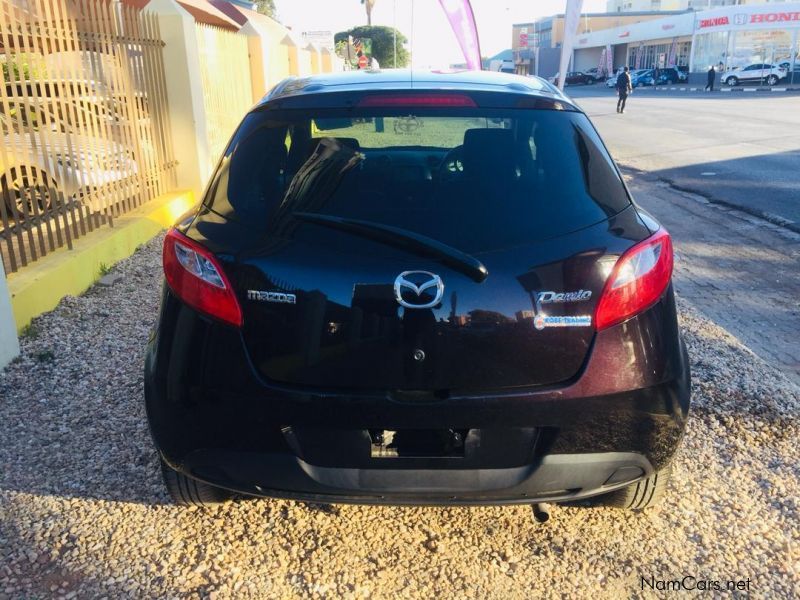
column 586, row 25
column 316, row 63
column 303, row 62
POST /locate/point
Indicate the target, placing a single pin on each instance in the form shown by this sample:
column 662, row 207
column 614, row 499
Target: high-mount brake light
column 197, row 278
column 637, row 280
column 417, row 100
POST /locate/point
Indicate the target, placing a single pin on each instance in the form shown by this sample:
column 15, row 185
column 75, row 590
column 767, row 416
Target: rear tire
column 186, row 491
column 642, row 494
column 23, row 186
column 772, row 80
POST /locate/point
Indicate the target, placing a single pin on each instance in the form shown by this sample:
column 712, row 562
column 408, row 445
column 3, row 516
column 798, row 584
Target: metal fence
column 227, row 92
column 83, row 109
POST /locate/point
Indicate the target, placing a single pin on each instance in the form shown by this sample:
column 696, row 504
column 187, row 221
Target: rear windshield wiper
column 405, row 240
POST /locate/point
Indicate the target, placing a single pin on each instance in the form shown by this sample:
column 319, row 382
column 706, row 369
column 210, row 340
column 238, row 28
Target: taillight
column 637, row 281
column 410, row 100
column 197, row 278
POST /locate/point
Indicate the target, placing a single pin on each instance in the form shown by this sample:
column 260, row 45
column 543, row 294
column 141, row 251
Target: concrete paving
column 740, row 149
column 738, row 270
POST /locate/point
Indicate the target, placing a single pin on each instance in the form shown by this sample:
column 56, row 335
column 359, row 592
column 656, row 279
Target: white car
column 75, row 164
column 755, row 72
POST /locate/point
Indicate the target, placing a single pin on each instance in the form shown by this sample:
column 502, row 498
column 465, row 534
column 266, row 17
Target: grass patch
column 45, row 356
column 104, row 269
column 29, row 331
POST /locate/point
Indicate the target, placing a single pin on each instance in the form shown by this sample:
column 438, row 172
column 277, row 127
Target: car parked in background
column 474, row 314
column 578, row 78
column 596, row 74
column 670, row 75
column 642, row 77
column 36, row 165
column 755, row 73
column 789, row 70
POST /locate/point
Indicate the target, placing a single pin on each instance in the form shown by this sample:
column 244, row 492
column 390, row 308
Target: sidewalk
column 684, row 87
column 738, row 270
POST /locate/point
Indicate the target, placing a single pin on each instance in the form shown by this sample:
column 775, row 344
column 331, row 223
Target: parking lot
column 84, row 513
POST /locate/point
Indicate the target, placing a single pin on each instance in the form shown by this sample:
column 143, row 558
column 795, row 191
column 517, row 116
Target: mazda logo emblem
column 418, row 282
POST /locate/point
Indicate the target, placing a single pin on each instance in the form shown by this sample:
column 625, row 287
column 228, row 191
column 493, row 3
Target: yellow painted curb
column 39, row 287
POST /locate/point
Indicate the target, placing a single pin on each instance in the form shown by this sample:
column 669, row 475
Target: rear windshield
column 476, row 179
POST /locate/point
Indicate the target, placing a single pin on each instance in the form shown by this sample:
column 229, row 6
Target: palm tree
column 368, row 4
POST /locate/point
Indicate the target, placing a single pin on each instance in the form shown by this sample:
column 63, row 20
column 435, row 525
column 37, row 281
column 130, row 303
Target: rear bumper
column 553, row 478
column 620, row 419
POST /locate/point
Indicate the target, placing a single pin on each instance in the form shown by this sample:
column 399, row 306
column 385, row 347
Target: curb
column 39, row 287
column 721, row 89
column 753, row 212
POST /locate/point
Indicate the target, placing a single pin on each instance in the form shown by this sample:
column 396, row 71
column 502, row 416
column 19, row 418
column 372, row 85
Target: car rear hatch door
column 418, row 249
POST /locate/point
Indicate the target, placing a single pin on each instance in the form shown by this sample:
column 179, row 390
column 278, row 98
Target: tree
column 382, row 43
column 368, row 5
column 265, row 7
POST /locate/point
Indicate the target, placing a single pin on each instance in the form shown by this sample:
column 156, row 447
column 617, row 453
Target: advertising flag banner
column 673, row 53
column 601, row 67
column 462, row 20
column 609, row 60
column 571, row 21
column 639, row 52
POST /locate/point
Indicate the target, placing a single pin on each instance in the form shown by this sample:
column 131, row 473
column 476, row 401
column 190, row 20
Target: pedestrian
column 712, row 75
column 624, row 88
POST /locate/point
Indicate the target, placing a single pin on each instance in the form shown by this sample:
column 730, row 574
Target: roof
column 633, row 13
column 404, row 79
column 507, row 54
column 203, row 11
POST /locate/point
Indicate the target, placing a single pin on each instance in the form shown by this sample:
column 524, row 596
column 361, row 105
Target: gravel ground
column 83, row 512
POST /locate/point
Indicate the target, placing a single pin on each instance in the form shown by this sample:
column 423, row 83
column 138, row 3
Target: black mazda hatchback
column 417, row 288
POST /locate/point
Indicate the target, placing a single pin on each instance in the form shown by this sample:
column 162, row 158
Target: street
column 740, row 270
column 733, row 147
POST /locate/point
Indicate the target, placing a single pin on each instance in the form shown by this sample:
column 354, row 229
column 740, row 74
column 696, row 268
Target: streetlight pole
column 394, row 33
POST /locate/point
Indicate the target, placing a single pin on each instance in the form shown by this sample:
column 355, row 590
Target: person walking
column 712, row 75
column 624, row 88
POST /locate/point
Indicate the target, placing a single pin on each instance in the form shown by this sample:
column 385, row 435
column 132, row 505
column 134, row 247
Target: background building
column 615, row 6
column 543, row 38
column 733, row 36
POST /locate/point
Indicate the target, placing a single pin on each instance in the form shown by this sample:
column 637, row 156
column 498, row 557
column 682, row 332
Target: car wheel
column 27, row 191
column 772, row 80
column 642, row 494
column 732, row 81
column 186, row 491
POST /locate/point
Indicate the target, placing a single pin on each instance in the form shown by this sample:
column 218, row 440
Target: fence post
column 9, row 344
column 258, row 60
column 187, row 115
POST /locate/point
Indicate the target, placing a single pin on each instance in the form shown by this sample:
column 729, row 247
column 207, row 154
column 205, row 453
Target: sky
column 433, row 43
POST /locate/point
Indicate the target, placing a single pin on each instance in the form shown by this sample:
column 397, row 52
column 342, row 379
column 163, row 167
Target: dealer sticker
column 542, row 321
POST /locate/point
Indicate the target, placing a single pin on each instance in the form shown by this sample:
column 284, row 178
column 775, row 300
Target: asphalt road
column 738, row 148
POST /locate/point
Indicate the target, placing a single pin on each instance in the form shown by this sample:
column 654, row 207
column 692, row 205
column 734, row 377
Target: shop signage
column 750, row 19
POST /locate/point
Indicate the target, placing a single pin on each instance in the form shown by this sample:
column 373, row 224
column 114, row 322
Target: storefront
column 658, row 52
column 658, row 43
column 732, row 37
column 738, row 36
